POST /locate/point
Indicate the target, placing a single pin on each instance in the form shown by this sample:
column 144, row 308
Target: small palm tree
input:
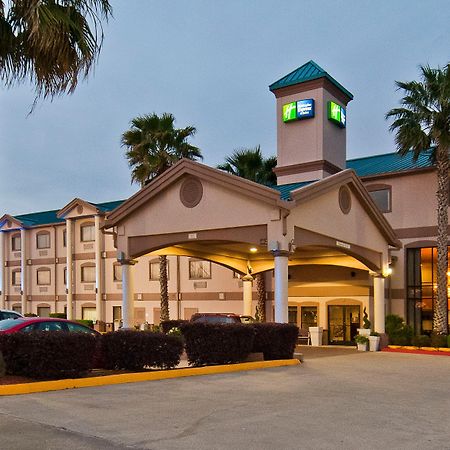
column 422, row 124
column 52, row 43
column 154, row 145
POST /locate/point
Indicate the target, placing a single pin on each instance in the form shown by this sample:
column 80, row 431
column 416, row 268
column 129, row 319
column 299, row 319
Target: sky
column 210, row 62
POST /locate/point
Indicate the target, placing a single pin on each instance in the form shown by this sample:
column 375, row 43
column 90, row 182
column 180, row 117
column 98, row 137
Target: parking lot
column 340, row 400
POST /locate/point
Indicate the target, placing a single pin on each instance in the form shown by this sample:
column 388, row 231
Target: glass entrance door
column 343, row 322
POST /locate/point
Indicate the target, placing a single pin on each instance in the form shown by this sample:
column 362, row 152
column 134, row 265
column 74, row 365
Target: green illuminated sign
column 337, row 114
column 290, row 111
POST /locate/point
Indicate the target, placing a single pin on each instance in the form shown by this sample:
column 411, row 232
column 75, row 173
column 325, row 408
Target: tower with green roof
column 311, row 124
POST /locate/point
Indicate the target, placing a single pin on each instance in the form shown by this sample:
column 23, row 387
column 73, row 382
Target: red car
column 25, row 325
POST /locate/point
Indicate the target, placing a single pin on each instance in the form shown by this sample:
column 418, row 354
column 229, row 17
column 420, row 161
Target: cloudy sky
column 209, row 62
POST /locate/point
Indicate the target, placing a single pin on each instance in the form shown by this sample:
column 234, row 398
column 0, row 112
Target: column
column 98, row 269
column 127, row 294
column 23, row 271
column 2, row 270
column 69, row 272
column 281, row 286
column 379, row 303
column 247, row 282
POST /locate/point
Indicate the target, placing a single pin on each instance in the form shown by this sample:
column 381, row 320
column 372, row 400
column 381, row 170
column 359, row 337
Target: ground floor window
column 117, row 313
column 309, row 317
column 88, row 313
column 421, row 288
column 43, row 311
column 292, row 314
column 17, row 308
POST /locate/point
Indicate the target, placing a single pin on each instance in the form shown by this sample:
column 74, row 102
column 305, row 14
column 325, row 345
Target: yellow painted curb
column 45, row 386
column 444, row 349
column 429, row 349
column 394, row 346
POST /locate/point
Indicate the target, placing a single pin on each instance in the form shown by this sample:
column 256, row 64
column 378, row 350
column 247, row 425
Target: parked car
column 25, row 325
column 6, row 314
column 247, row 319
column 216, row 318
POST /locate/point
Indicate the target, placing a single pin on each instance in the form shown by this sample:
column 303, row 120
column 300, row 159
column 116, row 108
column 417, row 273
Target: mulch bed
column 416, row 352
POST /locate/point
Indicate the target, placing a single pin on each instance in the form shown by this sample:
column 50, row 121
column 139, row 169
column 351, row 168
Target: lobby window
column 15, row 278
column 88, row 273
column 117, row 272
column 16, row 243
column 382, row 196
column 292, row 314
column 43, row 240
column 43, row 277
column 309, row 317
column 87, row 233
column 199, row 269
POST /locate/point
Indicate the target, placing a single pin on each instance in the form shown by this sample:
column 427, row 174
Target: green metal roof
column 108, row 206
column 389, row 162
column 286, row 189
column 39, row 218
column 307, row 72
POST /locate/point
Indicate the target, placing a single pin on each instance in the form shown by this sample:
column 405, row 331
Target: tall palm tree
column 423, row 124
column 52, row 43
column 154, row 145
column 249, row 163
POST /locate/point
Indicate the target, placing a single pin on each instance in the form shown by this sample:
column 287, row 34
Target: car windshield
column 9, row 323
column 216, row 319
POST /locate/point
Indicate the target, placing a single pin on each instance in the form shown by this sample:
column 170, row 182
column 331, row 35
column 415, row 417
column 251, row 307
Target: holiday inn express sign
column 337, row 114
column 301, row 109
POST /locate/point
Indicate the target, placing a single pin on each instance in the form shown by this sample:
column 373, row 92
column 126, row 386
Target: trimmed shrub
column 421, row 341
column 208, row 343
column 48, row 355
column 438, row 340
column 86, row 323
column 275, row 340
column 167, row 325
column 138, row 350
column 58, row 315
column 399, row 333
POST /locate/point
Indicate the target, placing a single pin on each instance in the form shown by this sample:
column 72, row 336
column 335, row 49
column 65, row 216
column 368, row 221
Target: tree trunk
column 261, row 294
column 164, row 288
column 440, row 316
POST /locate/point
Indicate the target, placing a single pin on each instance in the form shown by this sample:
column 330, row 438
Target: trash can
column 316, row 336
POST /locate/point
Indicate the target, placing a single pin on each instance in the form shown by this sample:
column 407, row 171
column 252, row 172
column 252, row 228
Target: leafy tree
column 52, row 43
column 153, row 145
column 249, row 163
column 422, row 124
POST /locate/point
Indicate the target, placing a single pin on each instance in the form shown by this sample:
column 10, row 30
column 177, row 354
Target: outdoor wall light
column 253, row 249
column 388, row 272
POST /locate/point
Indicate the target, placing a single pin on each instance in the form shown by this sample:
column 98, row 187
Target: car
column 7, row 314
column 247, row 319
column 224, row 318
column 26, row 325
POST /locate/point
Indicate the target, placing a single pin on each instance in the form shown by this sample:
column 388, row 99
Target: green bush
column 208, row 343
column 275, row 340
column 86, row 323
column 399, row 333
column 361, row 339
column 448, row 341
column 421, row 341
column 58, row 315
column 138, row 350
column 48, row 355
column 438, row 340
column 167, row 325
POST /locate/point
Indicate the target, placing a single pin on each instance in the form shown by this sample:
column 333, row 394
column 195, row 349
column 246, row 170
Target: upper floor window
column 199, row 269
column 43, row 239
column 43, row 276
column 117, row 272
column 382, row 196
column 64, row 236
column 88, row 273
column 16, row 243
column 15, row 278
column 87, row 233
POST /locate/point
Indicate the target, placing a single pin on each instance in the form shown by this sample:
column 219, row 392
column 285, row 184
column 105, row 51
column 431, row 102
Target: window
column 43, row 240
column 64, row 236
column 17, row 308
column 381, row 195
column 309, row 317
column 292, row 315
column 87, row 233
column 117, row 274
column 117, row 313
column 65, row 276
column 199, row 269
column 88, row 274
column 16, row 243
column 88, row 313
column 43, row 277
column 154, row 270
column 15, row 278
column 43, row 311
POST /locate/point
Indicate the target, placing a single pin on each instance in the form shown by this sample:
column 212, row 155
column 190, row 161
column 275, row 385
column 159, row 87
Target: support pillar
column 23, row 271
column 2, row 270
column 69, row 269
column 247, row 282
column 281, row 286
column 127, row 294
column 98, row 270
column 379, row 303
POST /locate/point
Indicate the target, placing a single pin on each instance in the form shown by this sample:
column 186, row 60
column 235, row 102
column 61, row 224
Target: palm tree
column 154, row 145
column 249, row 163
column 421, row 125
column 52, row 43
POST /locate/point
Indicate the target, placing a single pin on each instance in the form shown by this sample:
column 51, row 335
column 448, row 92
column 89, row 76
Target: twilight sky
column 209, row 62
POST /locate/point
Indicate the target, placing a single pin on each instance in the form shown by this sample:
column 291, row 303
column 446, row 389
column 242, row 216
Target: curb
column 73, row 383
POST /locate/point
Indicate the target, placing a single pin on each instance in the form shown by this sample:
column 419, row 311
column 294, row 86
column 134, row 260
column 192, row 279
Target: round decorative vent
column 8, row 223
column 191, row 192
column 80, row 209
column 345, row 199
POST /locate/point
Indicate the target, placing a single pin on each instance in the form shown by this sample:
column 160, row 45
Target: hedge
column 167, row 325
column 138, row 350
column 207, row 343
column 275, row 340
column 49, row 355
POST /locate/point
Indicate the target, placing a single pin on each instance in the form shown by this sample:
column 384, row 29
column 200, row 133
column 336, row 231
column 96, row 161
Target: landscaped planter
column 316, row 336
column 374, row 343
column 362, row 347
